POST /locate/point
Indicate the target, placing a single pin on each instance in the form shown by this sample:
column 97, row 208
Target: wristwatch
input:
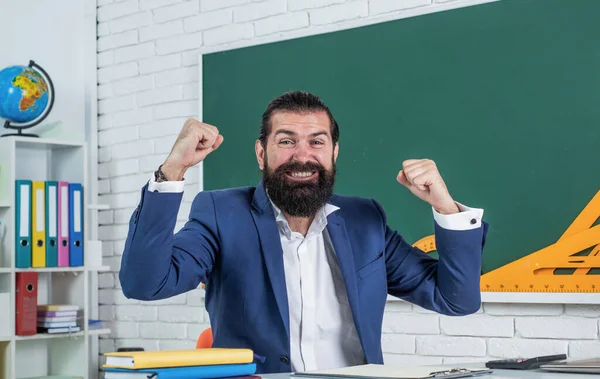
column 159, row 176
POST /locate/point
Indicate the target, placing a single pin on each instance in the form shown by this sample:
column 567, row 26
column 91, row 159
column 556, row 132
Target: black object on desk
column 127, row 349
column 524, row 363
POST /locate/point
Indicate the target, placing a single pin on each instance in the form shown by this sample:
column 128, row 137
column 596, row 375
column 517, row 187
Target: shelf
column 44, row 336
column 60, row 157
column 59, row 269
column 51, row 269
column 45, row 143
column 98, row 332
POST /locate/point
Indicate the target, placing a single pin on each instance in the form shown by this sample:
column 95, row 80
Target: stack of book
column 57, row 318
column 182, row 364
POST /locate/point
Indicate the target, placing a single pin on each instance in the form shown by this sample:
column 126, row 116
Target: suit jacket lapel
column 264, row 219
column 336, row 226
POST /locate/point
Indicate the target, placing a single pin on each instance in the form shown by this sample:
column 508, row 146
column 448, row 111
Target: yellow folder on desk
column 178, row 358
column 38, row 224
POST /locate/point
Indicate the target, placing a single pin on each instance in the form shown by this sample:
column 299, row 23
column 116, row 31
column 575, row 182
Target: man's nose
column 302, row 153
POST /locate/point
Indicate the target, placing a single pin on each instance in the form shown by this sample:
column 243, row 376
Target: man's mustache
column 297, row 166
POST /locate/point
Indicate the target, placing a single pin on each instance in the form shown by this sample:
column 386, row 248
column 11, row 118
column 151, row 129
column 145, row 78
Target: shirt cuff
column 169, row 186
column 467, row 219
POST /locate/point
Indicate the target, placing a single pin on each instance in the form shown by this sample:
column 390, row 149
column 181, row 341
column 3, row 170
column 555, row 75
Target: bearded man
column 292, row 271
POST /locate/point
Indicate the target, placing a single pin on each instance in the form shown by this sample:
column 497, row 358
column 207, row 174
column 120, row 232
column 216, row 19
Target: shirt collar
column 317, row 226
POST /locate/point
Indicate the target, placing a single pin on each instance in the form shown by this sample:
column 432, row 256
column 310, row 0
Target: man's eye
column 285, row 142
column 318, row 142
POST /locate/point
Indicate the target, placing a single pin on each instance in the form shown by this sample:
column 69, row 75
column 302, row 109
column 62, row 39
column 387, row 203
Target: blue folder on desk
column 191, row 372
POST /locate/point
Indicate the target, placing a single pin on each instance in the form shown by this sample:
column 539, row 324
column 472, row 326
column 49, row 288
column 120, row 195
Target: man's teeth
column 302, row 174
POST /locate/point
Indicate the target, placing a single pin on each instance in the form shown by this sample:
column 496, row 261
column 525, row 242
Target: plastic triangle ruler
column 568, row 265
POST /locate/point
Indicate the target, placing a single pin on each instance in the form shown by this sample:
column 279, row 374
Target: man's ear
column 260, row 154
column 335, row 151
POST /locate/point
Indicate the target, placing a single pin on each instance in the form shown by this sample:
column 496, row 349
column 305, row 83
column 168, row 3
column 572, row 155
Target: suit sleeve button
column 284, row 359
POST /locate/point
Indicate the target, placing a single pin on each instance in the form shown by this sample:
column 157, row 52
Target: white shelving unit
column 73, row 354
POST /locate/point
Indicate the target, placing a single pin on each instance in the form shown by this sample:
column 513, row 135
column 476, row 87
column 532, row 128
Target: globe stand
column 7, row 125
column 19, row 127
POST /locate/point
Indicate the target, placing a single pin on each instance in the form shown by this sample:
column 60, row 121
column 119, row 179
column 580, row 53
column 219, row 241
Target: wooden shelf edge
column 56, row 269
column 43, row 336
column 47, row 141
column 52, row 269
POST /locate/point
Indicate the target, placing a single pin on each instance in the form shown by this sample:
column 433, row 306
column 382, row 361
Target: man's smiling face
column 298, row 161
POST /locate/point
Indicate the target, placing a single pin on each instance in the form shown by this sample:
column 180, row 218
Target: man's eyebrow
column 285, row 131
column 292, row 133
column 319, row 134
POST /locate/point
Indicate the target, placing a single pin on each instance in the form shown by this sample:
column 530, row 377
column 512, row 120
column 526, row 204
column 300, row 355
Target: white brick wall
column 384, row 6
column 148, row 76
column 336, row 13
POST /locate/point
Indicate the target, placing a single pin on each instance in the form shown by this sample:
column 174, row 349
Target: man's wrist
column 169, row 172
column 448, row 209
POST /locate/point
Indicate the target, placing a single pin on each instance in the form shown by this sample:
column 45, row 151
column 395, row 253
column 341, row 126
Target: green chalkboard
column 504, row 96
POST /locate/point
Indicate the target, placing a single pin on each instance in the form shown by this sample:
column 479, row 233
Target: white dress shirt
column 322, row 331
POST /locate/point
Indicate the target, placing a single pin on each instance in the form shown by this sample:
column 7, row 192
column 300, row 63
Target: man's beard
column 299, row 199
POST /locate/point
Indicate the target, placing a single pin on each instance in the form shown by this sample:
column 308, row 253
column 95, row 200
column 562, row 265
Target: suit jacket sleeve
column 449, row 285
column 158, row 264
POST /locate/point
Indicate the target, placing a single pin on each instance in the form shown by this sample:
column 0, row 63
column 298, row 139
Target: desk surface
column 496, row 374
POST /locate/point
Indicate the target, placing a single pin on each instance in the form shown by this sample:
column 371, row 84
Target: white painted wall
column 54, row 37
column 60, row 37
column 148, row 78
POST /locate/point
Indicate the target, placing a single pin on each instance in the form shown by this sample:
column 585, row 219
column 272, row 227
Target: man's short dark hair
column 300, row 102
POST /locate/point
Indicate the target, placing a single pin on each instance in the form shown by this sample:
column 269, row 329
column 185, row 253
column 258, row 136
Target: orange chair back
column 205, row 339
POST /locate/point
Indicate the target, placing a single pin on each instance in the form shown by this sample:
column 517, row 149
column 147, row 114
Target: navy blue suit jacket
column 231, row 243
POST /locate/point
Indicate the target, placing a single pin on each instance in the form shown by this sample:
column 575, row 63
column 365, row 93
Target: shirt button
column 284, row 359
column 473, row 221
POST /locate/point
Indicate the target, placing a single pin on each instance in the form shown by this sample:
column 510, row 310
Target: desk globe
column 26, row 97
